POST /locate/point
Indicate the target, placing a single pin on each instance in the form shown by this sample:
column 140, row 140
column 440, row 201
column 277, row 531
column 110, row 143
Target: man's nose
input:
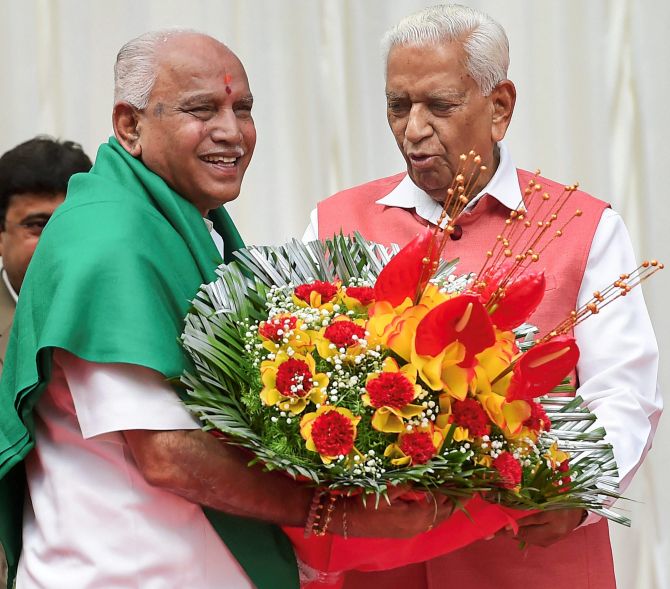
column 418, row 124
column 225, row 127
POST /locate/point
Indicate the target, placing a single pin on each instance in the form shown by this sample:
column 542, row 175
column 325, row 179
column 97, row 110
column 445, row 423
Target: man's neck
column 482, row 181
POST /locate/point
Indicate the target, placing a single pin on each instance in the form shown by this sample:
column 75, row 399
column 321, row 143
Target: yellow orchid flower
column 330, row 431
column 555, row 456
column 394, row 326
column 386, row 321
column 508, row 416
column 432, row 296
column 291, row 382
column 535, row 423
column 493, row 361
column 441, row 372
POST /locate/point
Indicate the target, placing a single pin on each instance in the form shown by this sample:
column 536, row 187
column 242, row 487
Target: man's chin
column 435, row 188
column 221, row 198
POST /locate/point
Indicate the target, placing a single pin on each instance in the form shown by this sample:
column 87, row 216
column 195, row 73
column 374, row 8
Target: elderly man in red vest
column 448, row 93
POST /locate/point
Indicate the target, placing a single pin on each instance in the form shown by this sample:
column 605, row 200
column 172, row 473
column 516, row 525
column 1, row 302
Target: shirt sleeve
column 114, row 397
column 618, row 364
column 312, row 231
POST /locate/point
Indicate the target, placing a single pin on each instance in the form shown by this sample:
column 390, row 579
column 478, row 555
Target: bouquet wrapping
column 323, row 559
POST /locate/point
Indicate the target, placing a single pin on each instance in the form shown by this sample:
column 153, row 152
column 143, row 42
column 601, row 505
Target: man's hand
column 546, row 527
column 207, row 471
column 399, row 519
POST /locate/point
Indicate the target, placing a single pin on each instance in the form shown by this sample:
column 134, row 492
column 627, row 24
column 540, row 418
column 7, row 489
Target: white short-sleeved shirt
column 92, row 521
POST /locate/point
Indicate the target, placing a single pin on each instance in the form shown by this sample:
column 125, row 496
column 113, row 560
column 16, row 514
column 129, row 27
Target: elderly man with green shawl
column 106, row 478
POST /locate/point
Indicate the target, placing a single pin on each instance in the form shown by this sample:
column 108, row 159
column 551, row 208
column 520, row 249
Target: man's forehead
column 191, row 74
column 195, row 55
column 28, row 201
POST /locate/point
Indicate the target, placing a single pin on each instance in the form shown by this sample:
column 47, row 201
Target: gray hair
column 135, row 69
column 484, row 40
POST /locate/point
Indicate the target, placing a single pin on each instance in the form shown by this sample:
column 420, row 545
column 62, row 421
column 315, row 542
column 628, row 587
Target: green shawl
column 111, row 281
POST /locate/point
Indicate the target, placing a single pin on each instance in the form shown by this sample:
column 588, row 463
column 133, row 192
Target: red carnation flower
column 470, row 414
column 294, row 373
column 418, row 446
column 509, row 469
column 364, row 294
column 327, row 290
column 333, row 434
column 390, row 389
column 269, row 329
column 342, row 333
column 538, row 420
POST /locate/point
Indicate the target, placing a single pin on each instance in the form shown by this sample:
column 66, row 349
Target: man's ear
column 125, row 119
column 503, row 98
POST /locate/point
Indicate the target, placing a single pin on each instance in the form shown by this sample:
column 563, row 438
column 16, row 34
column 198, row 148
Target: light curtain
column 592, row 89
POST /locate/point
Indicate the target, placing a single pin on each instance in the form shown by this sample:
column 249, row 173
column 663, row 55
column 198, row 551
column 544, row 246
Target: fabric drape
column 111, row 281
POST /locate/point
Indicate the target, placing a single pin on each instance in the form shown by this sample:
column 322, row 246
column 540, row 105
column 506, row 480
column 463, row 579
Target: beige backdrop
column 592, row 84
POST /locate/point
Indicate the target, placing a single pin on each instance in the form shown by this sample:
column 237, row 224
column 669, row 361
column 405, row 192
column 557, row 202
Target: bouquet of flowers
column 355, row 368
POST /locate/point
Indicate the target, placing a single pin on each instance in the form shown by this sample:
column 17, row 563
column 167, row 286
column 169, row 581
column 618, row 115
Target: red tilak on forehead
column 227, row 79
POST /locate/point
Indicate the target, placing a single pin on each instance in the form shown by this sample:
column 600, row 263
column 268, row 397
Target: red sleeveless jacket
column 583, row 559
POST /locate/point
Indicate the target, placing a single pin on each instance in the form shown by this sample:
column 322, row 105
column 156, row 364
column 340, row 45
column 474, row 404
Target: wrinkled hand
column 399, row 519
column 546, row 527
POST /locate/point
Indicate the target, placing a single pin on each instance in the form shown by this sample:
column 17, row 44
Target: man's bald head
column 137, row 62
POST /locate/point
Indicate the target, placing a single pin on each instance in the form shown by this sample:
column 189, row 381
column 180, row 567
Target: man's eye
column 34, row 227
column 442, row 107
column 243, row 112
column 201, row 112
column 397, row 108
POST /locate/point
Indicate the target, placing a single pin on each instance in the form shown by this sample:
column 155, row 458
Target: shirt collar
column 11, row 291
column 503, row 186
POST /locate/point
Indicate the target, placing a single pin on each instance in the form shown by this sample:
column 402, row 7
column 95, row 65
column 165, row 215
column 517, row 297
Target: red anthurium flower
column 522, row 296
column 406, row 274
column 542, row 368
column 462, row 319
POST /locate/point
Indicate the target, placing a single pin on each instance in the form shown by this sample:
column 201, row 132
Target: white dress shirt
column 93, row 522
column 10, row 288
column 618, row 365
